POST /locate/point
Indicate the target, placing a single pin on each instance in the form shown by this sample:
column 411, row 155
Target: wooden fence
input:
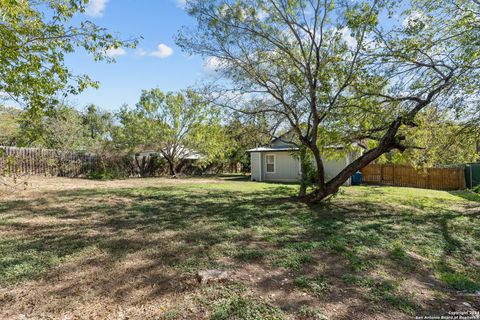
column 36, row 161
column 406, row 176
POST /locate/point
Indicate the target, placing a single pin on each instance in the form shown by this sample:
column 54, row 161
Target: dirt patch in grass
column 131, row 249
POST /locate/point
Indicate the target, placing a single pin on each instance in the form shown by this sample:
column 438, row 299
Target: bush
column 113, row 164
column 110, row 165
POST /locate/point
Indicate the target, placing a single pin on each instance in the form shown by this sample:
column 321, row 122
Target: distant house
column 184, row 163
column 182, row 154
column 279, row 162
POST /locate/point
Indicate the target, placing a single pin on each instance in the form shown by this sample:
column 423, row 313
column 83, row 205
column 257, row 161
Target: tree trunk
column 303, row 173
column 324, row 189
column 182, row 166
column 171, row 167
column 320, row 176
column 140, row 166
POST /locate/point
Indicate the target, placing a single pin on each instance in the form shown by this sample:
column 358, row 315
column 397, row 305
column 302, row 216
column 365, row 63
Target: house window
column 270, row 158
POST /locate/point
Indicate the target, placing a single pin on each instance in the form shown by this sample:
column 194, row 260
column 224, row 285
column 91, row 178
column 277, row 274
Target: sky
column 156, row 62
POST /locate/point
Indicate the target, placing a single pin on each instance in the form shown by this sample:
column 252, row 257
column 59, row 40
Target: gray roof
column 284, row 148
column 272, row 149
column 182, row 153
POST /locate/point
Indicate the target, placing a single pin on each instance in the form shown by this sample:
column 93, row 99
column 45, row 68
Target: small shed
column 279, row 162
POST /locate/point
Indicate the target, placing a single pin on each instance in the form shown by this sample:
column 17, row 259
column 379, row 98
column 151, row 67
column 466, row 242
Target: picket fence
column 406, row 176
column 37, row 161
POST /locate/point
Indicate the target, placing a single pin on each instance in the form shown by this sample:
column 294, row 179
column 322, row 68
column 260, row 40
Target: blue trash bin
column 357, row 178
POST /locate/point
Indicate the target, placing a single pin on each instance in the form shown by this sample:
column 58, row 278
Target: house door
column 256, row 166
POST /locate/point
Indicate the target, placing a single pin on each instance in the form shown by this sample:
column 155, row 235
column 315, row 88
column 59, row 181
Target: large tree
column 342, row 71
column 62, row 129
column 98, row 123
column 9, row 125
column 177, row 125
column 35, row 36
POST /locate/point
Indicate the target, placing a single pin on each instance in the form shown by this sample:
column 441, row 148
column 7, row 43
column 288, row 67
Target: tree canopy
column 9, row 126
column 339, row 72
column 177, row 125
column 442, row 141
column 35, row 36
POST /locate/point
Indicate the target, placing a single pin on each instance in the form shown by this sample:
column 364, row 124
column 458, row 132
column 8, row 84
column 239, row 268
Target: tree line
column 173, row 126
column 400, row 76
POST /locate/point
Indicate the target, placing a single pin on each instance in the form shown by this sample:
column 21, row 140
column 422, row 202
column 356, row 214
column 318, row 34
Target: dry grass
column 82, row 249
column 39, row 184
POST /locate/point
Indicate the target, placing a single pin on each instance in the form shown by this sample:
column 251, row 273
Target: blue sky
column 157, row 62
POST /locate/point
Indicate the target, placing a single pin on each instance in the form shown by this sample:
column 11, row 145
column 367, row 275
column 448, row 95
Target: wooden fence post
column 428, row 179
column 393, row 175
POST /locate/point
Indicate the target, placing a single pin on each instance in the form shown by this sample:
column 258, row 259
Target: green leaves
column 177, row 125
column 360, row 15
column 34, row 38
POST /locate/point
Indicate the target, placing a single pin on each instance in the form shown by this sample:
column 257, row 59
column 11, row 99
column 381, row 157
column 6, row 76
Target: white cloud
column 163, row 51
column 141, row 52
column 95, row 8
column 345, row 34
column 212, row 65
column 181, row 3
column 347, row 37
column 113, row 52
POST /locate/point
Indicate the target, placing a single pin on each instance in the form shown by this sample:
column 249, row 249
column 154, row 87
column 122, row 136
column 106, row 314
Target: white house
column 279, row 162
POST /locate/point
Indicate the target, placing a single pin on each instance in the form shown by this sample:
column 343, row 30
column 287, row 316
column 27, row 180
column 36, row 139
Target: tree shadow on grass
column 155, row 239
column 235, row 177
column 467, row 195
column 96, row 220
column 429, row 243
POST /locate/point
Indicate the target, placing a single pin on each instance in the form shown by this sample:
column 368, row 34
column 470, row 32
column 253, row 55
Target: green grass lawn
column 371, row 252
